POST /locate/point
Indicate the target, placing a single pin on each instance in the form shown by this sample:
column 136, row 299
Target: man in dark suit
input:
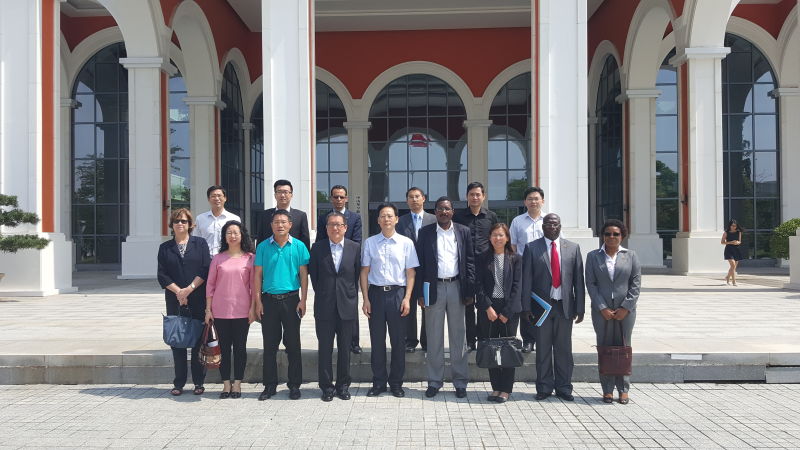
column 552, row 268
column 353, row 233
column 283, row 197
column 409, row 225
column 334, row 268
column 444, row 250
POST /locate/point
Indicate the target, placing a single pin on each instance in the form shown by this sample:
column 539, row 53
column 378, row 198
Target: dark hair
column 339, row 186
column 216, row 188
column 247, row 243
column 531, row 190
column 282, row 183
column 414, row 188
column 441, row 199
column 734, row 222
column 282, row 212
column 176, row 214
column 387, row 205
column 335, row 214
column 507, row 248
column 476, row 184
column 615, row 223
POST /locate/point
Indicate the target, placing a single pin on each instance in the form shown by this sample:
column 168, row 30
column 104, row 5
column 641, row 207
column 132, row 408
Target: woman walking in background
column 732, row 239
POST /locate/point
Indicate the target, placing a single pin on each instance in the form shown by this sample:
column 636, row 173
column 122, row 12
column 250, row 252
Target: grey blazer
column 623, row 290
column 537, row 276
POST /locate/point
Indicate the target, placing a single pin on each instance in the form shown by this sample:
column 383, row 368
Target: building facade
column 672, row 115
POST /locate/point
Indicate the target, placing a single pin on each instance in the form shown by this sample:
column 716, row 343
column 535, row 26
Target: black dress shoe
column 236, row 394
column 566, row 397
column 224, row 394
column 541, row 395
column 500, row 399
column 294, row 393
column 268, row 392
column 327, row 396
column 431, row 391
column 527, row 347
column 410, row 349
column 356, row 349
column 375, row 391
column 344, row 394
column 491, row 398
column 461, row 392
column 398, row 392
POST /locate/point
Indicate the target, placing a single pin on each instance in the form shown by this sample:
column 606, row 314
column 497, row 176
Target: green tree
column 12, row 216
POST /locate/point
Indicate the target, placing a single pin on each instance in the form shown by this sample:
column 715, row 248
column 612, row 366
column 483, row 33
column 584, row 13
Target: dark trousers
column 197, row 311
column 411, row 327
column 502, row 379
column 355, row 335
column 232, row 333
column 326, row 330
column 527, row 329
column 554, row 361
column 280, row 319
column 386, row 313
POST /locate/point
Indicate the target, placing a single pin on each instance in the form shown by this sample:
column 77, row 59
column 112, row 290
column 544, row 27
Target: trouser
column 355, row 334
column 527, row 329
column 610, row 332
column 502, row 379
column 471, row 324
column 448, row 302
column 232, row 333
column 386, row 314
column 280, row 319
column 326, row 330
column 554, row 361
column 181, row 369
column 411, row 328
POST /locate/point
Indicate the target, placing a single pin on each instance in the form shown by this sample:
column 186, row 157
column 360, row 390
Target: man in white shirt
column 209, row 224
column 527, row 227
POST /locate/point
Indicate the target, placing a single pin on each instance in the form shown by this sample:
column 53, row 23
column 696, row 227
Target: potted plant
column 12, row 216
column 779, row 241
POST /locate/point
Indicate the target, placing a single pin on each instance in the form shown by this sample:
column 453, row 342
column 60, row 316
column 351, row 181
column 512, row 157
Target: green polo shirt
column 281, row 265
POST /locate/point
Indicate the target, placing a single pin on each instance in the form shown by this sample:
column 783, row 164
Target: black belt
column 455, row 278
column 555, row 300
column 385, row 288
column 281, row 296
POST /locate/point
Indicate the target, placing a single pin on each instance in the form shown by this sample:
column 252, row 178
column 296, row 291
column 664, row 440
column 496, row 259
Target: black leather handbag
column 500, row 352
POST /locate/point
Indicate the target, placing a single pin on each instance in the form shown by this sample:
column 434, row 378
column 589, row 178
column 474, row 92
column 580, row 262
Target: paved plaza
column 659, row 416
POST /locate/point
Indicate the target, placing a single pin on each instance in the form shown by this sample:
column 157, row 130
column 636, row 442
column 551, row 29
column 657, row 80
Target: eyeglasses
column 180, row 221
column 609, row 234
column 336, row 225
column 232, row 233
column 283, row 192
column 443, row 209
column 339, row 197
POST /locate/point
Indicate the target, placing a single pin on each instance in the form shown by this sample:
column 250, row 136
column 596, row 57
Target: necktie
column 555, row 265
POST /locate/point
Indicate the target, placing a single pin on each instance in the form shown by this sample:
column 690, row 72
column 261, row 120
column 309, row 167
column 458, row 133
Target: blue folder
column 426, row 293
column 541, row 309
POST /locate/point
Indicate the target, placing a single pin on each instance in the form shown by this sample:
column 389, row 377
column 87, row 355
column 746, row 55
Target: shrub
column 779, row 242
column 13, row 217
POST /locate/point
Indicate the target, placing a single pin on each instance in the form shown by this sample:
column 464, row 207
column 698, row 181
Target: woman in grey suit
column 613, row 279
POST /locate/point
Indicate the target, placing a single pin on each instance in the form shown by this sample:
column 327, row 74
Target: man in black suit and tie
column 283, row 198
column 552, row 268
column 353, row 233
column 409, row 226
column 334, row 268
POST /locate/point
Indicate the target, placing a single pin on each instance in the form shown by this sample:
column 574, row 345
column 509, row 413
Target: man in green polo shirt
column 284, row 286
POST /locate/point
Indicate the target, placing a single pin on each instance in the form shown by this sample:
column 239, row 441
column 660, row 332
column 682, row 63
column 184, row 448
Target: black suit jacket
column 353, row 222
column 428, row 269
column 512, row 282
column 335, row 291
column 181, row 271
column 405, row 225
column 299, row 228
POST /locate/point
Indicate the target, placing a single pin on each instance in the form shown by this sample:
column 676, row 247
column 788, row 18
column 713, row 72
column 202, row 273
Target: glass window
column 256, row 161
column 608, row 147
column 667, row 160
column 751, row 148
column 332, row 154
column 232, row 142
column 100, row 159
column 179, row 152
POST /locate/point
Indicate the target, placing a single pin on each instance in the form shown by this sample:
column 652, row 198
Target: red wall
column 768, row 17
column 475, row 55
column 76, row 29
column 611, row 22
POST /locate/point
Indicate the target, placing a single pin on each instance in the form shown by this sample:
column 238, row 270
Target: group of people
column 462, row 266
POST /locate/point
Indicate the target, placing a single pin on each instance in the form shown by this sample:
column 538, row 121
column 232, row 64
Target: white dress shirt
column 417, row 219
column 209, row 227
column 336, row 253
column 555, row 292
column 446, row 251
column 611, row 261
column 525, row 229
column 388, row 259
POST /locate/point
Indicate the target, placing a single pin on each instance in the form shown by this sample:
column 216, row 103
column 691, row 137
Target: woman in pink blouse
column 228, row 301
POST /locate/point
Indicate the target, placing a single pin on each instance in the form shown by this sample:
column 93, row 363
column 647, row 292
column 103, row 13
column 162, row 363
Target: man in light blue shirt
column 387, row 280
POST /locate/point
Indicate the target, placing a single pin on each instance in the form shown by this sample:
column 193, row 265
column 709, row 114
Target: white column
column 357, row 138
column 203, row 144
column 789, row 107
column 288, row 87
column 24, row 141
column 642, row 236
column 144, row 185
column 794, row 262
column 562, row 107
column 478, row 150
column 698, row 250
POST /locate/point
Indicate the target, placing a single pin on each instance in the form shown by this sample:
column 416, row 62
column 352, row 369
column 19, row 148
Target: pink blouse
column 229, row 285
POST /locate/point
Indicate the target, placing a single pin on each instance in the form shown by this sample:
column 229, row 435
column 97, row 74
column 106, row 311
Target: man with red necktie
column 552, row 268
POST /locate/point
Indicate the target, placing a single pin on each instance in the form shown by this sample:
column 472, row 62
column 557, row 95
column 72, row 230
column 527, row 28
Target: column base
column 38, row 273
column 139, row 255
column 649, row 248
column 698, row 253
column 794, row 264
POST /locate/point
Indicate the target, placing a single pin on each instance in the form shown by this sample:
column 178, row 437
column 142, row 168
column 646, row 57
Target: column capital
column 478, row 123
column 358, row 125
column 247, row 126
column 200, row 100
column 631, row 94
column 71, row 103
column 148, row 62
column 698, row 53
column 785, row 92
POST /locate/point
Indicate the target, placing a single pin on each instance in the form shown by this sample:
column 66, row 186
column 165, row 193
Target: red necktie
column 555, row 265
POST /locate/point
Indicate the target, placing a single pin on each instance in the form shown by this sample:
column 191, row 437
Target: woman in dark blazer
column 613, row 279
column 498, row 275
column 183, row 264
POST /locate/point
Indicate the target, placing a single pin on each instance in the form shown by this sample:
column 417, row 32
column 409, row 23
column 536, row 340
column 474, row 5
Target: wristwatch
column 193, row 286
